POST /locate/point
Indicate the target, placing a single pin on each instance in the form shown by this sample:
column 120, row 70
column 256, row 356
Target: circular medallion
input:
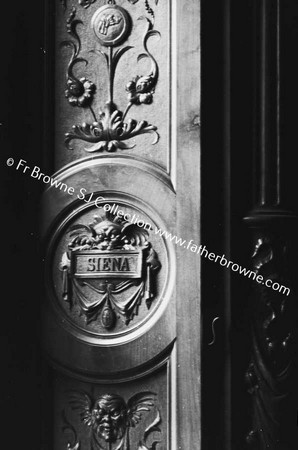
column 111, row 25
column 108, row 271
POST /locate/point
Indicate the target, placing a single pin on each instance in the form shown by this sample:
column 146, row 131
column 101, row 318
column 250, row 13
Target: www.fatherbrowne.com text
column 99, row 202
column 199, row 250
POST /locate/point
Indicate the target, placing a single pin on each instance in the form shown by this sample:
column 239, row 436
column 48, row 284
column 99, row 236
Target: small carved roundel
column 111, row 25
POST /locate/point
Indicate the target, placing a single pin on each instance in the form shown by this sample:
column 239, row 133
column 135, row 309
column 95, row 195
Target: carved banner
column 105, row 260
column 118, row 264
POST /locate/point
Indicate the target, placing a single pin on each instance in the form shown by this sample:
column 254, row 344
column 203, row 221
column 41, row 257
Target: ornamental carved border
column 109, row 129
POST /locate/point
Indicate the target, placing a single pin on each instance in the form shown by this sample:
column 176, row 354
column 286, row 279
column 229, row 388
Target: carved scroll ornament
column 109, row 129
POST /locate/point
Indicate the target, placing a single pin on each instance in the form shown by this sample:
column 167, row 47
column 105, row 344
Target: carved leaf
column 108, row 133
column 71, row 27
column 152, row 33
column 77, row 60
column 69, row 428
column 138, row 404
column 69, row 44
column 149, row 9
column 82, row 402
column 142, row 56
column 153, row 426
column 79, row 227
column 119, row 53
column 100, row 53
column 86, row 3
column 134, row 234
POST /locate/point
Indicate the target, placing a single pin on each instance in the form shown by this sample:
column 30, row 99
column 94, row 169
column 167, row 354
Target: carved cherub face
column 109, row 413
column 107, row 227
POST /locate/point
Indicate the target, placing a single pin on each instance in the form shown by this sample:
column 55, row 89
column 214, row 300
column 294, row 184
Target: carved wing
column 82, row 235
column 134, row 234
column 137, row 404
column 82, row 402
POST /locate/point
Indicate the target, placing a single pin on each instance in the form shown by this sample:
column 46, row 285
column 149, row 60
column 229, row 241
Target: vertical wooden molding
column 269, row 80
column 227, row 225
column 271, row 373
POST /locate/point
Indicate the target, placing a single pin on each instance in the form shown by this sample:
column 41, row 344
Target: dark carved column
column 271, row 376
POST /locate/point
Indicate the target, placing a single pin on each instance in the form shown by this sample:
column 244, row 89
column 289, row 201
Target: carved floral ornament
column 270, row 372
column 108, row 270
column 108, row 420
column 110, row 128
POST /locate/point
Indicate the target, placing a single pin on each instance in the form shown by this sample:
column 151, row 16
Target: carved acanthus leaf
column 110, row 132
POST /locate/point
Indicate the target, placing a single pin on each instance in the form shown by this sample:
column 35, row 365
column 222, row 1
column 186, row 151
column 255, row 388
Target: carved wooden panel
column 119, row 293
column 121, row 305
column 125, row 415
column 113, row 80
